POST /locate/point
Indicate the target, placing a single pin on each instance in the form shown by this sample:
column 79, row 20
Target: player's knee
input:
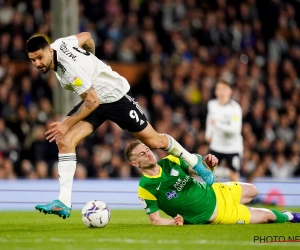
column 155, row 142
column 152, row 143
column 270, row 216
column 66, row 144
column 254, row 190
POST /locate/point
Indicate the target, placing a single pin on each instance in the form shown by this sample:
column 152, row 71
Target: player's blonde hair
column 130, row 148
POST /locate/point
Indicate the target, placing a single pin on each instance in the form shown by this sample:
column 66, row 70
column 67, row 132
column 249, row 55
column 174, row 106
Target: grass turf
column 131, row 229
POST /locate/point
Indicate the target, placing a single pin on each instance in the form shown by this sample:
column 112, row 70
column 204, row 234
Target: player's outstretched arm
column 157, row 220
column 86, row 41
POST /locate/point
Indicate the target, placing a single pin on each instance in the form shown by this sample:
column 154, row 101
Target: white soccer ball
column 95, row 213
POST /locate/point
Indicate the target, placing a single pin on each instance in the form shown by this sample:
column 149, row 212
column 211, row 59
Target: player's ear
column 134, row 163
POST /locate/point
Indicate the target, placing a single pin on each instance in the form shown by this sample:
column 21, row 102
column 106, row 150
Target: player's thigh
column 229, row 211
column 96, row 118
column 231, row 190
column 151, row 138
column 243, row 215
column 249, row 191
column 74, row 135
column 126, row 113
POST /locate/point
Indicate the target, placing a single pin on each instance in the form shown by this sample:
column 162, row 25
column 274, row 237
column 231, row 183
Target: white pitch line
column 162, row 242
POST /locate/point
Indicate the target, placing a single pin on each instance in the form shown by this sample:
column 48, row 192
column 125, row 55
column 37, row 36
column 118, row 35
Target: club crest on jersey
column 77, row 82
column 171, row 195
column 174, row 172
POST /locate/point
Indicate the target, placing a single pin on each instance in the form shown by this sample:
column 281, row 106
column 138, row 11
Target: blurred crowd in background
column 189, row 44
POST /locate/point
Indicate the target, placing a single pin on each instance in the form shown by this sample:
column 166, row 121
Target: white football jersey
column 225, row 133
column 77, row 70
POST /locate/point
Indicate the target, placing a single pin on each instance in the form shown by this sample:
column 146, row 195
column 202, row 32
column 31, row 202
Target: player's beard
column 150, row 166
column 47, row 67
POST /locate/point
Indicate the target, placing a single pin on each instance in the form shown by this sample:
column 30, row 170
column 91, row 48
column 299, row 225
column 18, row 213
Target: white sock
column 66, row 171
column 175, row 149
column 289, row 214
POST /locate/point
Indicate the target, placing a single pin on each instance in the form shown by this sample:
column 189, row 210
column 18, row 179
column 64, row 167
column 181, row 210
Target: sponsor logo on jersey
column 235, row 118
column 179, row 185
column 77, row 82
column 158, row 186
column 69, row 86
column 174, row 172
column 171, row 195
column 67, row 52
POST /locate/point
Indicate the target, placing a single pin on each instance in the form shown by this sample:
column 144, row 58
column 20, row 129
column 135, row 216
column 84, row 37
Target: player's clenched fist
column 178, row 220
column 211, row 161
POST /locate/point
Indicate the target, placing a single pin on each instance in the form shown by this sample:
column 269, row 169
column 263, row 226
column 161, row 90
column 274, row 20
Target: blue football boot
column 55, row 207
column 201, row 170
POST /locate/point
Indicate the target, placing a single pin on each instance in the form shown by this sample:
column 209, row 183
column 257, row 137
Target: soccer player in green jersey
column 168, row 185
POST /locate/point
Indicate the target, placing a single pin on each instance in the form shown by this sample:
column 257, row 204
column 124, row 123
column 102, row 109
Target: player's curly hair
column 131, row 147
column 36, row 43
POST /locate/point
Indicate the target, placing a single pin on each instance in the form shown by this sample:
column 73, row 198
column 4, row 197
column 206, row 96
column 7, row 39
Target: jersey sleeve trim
column 145, row 194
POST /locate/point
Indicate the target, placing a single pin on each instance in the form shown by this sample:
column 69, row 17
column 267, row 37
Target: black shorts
column 233, row 160
column 124, row 112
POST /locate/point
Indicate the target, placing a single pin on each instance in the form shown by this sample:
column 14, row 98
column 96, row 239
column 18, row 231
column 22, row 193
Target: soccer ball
column 95, row 213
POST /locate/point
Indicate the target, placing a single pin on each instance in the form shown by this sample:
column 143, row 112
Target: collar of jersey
column 55, row 60
column 155, row 176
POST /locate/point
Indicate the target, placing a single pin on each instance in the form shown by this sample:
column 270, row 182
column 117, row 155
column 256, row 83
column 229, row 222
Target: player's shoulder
column 213, row 103
column 235, row 104
column 146, row 183
column 64, row 41
column 169, row 159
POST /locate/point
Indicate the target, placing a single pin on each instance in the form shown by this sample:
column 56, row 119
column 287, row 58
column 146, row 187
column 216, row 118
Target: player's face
column 143, row 156
column 223, row 93
column 41, row 59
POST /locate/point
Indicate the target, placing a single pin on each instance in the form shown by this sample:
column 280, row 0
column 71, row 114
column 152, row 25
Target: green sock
column 280, row 217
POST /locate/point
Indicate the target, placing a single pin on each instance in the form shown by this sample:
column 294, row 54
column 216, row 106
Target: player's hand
column 211, row 161
column 178, row 220
column 56, row 132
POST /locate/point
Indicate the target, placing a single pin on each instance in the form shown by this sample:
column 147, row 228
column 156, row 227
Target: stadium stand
column 187, row 45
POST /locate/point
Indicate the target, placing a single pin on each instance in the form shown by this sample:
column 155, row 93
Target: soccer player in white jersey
column 224, row 127
column 105, row 96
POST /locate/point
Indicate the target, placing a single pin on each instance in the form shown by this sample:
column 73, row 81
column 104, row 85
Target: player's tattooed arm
column 89, row 48
column 86, row 41
column 90, row 99
column 90, row 102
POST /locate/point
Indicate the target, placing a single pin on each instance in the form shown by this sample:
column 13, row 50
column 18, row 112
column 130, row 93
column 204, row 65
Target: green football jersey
column 174, row 191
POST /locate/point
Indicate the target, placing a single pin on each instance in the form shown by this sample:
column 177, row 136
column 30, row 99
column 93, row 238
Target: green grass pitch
column 130, row 229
